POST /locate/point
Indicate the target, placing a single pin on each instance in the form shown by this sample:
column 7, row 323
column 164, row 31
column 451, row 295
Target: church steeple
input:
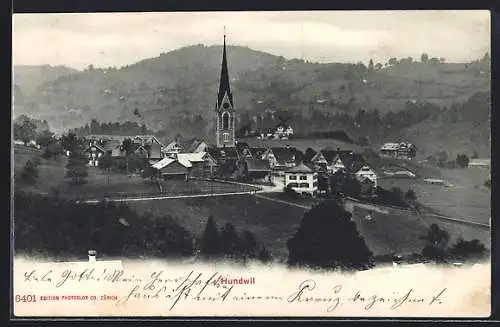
column 224, row 86
column 224, row 108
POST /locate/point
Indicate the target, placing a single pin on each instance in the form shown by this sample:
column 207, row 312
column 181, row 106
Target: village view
column 267, row 187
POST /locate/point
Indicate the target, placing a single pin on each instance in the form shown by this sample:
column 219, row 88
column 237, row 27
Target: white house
column 365, row 172
column 302, row 180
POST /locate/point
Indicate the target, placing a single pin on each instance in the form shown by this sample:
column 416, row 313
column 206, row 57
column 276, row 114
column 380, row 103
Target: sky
column 118, row 39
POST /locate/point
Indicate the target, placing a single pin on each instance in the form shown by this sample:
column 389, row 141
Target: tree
column 45, row 138
column 424, row 58
column 326, row 231
column 468, row 249
column 437, row 240
column 249, row 243
column 25, row 131
column 69, row 142
column 230, row 242
column 77, row 168
column 210, row 242
column 106, row 161
column 379, row 66
column 29, row 174
column 462, row 160
column 410, row 196
column 351, row 187
column 127, row 147
column 264, row 255
column 370, row 65
column 392, row 61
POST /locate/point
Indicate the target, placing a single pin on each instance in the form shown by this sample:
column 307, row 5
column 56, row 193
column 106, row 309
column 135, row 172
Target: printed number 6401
column 25, row 298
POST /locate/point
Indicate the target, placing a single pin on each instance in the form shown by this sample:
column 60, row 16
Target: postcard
column 251, row 164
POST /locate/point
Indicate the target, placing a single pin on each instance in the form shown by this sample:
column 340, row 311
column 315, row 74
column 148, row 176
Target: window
column 315, row 184
column 226, row 136
column 303, row 178
column 304, row 185
column 293, row 185
column 292, row 177
column 225, row 120
column 315, row 177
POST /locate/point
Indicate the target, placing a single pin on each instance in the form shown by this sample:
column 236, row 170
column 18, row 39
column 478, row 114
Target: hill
column 177, row 87
column 459, row 129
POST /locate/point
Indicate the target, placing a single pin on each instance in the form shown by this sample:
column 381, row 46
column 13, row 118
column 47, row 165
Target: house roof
column 168, row 161
column 192, row 157
column 390, row 146
column 173, row 145
column 193, row 145
column 257, row 152
column 301, row 168
column 223, row 153
column 257, row 165
column 332, row 155
column 284, row 154
column 111, row 145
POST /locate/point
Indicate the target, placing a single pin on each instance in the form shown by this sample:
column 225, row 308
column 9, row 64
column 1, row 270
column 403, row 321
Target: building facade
column 224, row 108
column 302, row 180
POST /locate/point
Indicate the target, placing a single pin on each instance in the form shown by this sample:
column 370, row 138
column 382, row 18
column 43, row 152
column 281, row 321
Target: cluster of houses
column 401, row 150
column 281, row 166
column 280, row 132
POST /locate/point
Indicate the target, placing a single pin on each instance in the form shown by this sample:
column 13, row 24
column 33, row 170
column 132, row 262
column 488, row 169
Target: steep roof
column 352, row 161
column 224, row 86
column 284, row 154
column 301, row 168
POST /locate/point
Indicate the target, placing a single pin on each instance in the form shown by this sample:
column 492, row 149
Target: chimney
column 92, row 255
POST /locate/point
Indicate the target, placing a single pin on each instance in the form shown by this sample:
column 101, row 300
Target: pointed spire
column 224, row 86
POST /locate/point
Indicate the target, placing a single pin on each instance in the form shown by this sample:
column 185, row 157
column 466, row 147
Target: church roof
column 224, row 86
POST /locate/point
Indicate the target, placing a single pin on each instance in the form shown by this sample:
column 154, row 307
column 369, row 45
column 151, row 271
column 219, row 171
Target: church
column 224, row 108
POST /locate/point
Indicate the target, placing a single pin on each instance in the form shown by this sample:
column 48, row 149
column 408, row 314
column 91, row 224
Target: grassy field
column 469, row 199
column 272, row 223
column 101, row 184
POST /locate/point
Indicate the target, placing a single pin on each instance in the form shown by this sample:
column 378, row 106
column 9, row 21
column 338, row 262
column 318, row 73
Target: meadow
column 100, row 184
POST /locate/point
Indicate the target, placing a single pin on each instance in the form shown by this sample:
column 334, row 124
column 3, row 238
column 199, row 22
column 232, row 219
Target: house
column 280, row 158
column 256, row 169
column 95, row 151
column 202, row 163
column 222, row 154
column 172, row 168
column 174, row 147
column 282, row 131
column 485, row 163
column 329, row 161
column 399, row 150
column 389, row 149
column 196, row 146
column 356, row 165
column 302, row 179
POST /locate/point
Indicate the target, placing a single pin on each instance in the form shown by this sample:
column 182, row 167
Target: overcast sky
column 117, row 39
